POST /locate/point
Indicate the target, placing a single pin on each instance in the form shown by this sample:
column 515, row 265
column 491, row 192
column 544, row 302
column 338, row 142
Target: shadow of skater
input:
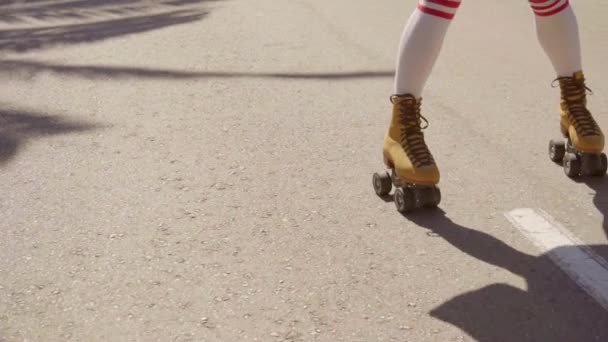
column 600, row 199
column 552, row 309
column 17, row 127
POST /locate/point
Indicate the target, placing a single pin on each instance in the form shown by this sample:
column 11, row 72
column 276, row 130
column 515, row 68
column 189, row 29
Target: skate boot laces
column 574, row 93
column 412, row 137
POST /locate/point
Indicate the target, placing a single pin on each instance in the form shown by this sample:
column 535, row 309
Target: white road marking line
column 581, row 263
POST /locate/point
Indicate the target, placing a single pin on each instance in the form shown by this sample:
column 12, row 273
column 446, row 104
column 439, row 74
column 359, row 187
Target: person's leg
column 405, row 150
column 421, row 43
column 558, row 34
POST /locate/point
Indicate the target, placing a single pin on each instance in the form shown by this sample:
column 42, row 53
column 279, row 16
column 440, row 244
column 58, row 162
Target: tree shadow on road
column 32, row 25
column 30, row 68
column 86, row 21
column 552, row 309
column 18, row 127
column 19, row 11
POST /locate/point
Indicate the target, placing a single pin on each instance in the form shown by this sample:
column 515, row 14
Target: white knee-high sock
column 421, row 43
column 557, row 31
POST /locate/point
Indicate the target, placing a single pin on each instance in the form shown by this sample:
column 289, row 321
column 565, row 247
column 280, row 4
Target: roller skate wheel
column 602, row 166
column 557, row 150
column 404, row 200
column 572, row 165
column 429, row 197
column 382, row 183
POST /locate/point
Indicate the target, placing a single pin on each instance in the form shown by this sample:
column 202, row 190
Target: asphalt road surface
column 201, row 171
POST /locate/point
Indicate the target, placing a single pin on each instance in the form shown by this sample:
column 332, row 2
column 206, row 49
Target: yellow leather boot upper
column 404, row 147
column 576, row 121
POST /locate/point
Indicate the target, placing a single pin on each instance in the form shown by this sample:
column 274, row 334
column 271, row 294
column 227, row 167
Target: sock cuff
column 547, row 8
column 445, row 9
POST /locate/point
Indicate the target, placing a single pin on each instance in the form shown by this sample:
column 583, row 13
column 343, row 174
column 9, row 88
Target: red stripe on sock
column 437, row 13
column 553, row 12
column 544, row 7
column 446, row 3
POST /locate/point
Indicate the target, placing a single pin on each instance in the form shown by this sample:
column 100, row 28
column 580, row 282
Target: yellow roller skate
column 413, row 170
column 582, row 151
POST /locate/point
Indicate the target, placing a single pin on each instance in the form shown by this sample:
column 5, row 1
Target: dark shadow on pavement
column 18, row 127
column 599, row 185
column 553, row 308
column 600, row 198
column 86, row 21
column 12, row 11
column 30, row 68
